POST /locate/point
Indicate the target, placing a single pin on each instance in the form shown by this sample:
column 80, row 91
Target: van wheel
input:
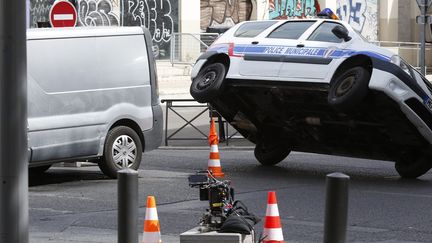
column 270, row 154
column 349, row 89
column 122, row 149
column 208, row 83
column 411, row 167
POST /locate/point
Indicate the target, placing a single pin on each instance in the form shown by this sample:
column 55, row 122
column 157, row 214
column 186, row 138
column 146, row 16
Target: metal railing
column 409, row 51
column 225, row 132
column 186, row 47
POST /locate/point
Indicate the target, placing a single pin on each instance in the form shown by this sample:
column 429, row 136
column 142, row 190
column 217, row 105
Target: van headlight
column 397, row 60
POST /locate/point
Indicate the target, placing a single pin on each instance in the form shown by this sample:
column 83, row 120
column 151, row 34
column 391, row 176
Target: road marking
column 63, row 16
column 349, row 228
column 34, row 194
column 52, row 210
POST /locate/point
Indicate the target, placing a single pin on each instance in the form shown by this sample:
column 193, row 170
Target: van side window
column 324, row 33
column 291, row 30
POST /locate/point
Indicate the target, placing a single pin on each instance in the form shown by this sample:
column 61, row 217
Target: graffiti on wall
column 224, row 13
column 39, row 11
column 97, row 13
column 286, row 9
column 362, row 15
column 159, row 16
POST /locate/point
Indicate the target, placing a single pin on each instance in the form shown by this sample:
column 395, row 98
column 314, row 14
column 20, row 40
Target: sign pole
column 423, row 19
column 14, row 219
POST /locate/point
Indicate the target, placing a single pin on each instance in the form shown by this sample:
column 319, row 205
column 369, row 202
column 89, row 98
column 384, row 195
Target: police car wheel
column 122, row 149
column 349, row 89
column 270, row 154
column 209, row 82
column 411, row 167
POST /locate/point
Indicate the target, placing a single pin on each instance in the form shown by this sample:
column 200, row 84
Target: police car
column 317, row 85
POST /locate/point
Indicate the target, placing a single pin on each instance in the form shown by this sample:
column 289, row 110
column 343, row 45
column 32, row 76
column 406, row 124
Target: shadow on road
column 299, row 171
column 62, row 175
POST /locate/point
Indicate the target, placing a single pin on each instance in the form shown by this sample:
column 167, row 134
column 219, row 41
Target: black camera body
column 219, row 194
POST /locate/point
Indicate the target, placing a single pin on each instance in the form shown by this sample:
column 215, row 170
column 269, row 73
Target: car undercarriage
column 299, row 116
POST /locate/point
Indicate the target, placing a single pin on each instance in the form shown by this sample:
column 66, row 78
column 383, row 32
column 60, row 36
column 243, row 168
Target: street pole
column 423, row 12
column 423, row 20
column 14, row 220
column 336, row 208
column 127, row 198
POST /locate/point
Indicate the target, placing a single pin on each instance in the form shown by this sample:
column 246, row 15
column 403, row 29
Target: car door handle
column 300, row 45
column 255, row 42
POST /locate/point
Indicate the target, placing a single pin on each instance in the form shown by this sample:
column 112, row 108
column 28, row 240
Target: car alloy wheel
column 271, row 154
column 208, row 79
column 348, row 89
column 209, row 83
column 124, row 151
column 345, row 86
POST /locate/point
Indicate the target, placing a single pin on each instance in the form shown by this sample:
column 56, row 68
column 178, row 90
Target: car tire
column 122, row 146
column 271, row 154
column 411, row 168
column 349, row 89
column 208, row 84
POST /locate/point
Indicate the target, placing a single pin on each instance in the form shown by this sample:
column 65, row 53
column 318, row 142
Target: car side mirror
column 341, row 32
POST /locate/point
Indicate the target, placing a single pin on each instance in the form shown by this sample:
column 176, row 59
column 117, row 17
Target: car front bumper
column 398, row 91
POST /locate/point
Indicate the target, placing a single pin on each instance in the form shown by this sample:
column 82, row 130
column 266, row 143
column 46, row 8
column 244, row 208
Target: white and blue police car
column 317, row 85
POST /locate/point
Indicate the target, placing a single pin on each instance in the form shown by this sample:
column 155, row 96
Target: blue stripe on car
column 295, row 51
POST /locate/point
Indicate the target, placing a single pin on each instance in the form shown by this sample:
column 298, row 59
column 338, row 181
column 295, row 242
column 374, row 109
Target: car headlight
column 397, row 60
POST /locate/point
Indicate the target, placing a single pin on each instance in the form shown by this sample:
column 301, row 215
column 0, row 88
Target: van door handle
column 255, row 42
column 300, row 45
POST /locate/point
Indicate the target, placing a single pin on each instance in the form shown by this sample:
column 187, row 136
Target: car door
column 263, row 56
column 314, row 56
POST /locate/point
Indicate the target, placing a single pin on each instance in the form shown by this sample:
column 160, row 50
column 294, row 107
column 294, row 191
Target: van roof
column 54, row 33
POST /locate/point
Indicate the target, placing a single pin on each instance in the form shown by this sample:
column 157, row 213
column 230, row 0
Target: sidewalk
column 174, row 81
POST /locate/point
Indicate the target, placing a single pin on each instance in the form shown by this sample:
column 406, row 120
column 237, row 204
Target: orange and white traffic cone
column 151, row 223
column 272, row 226
column 214, row 159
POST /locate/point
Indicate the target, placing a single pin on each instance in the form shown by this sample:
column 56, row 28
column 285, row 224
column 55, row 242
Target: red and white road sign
column 63, row 14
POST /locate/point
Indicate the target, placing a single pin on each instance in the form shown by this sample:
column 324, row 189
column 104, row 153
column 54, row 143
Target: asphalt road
column 80, row 204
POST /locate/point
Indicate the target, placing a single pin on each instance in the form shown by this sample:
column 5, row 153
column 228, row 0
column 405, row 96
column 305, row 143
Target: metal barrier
column 172, row 104
column 186, row 47
column 409, row 51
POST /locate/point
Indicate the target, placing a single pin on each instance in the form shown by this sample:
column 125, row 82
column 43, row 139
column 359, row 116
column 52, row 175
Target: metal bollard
column 336, row 209
column 127, row 205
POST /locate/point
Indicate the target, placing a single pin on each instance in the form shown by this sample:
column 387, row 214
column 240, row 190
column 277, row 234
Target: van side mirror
column 341, row 32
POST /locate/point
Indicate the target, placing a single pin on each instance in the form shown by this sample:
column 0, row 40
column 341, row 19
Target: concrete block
column 196, row 235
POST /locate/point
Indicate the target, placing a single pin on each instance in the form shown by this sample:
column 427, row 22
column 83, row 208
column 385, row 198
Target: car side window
column 324, row 33
column 252, row 29
column 291, row 30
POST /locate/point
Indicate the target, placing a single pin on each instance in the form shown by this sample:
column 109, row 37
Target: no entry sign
column 63, row 14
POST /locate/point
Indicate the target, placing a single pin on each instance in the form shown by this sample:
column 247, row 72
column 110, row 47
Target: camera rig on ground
column 219, row 194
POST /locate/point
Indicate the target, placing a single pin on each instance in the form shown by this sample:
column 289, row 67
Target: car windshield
column 291, row 30
column 361, row 36
column 252, row 29
column 427, row 82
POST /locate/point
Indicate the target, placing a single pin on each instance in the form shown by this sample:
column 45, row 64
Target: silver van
column 92, row 95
